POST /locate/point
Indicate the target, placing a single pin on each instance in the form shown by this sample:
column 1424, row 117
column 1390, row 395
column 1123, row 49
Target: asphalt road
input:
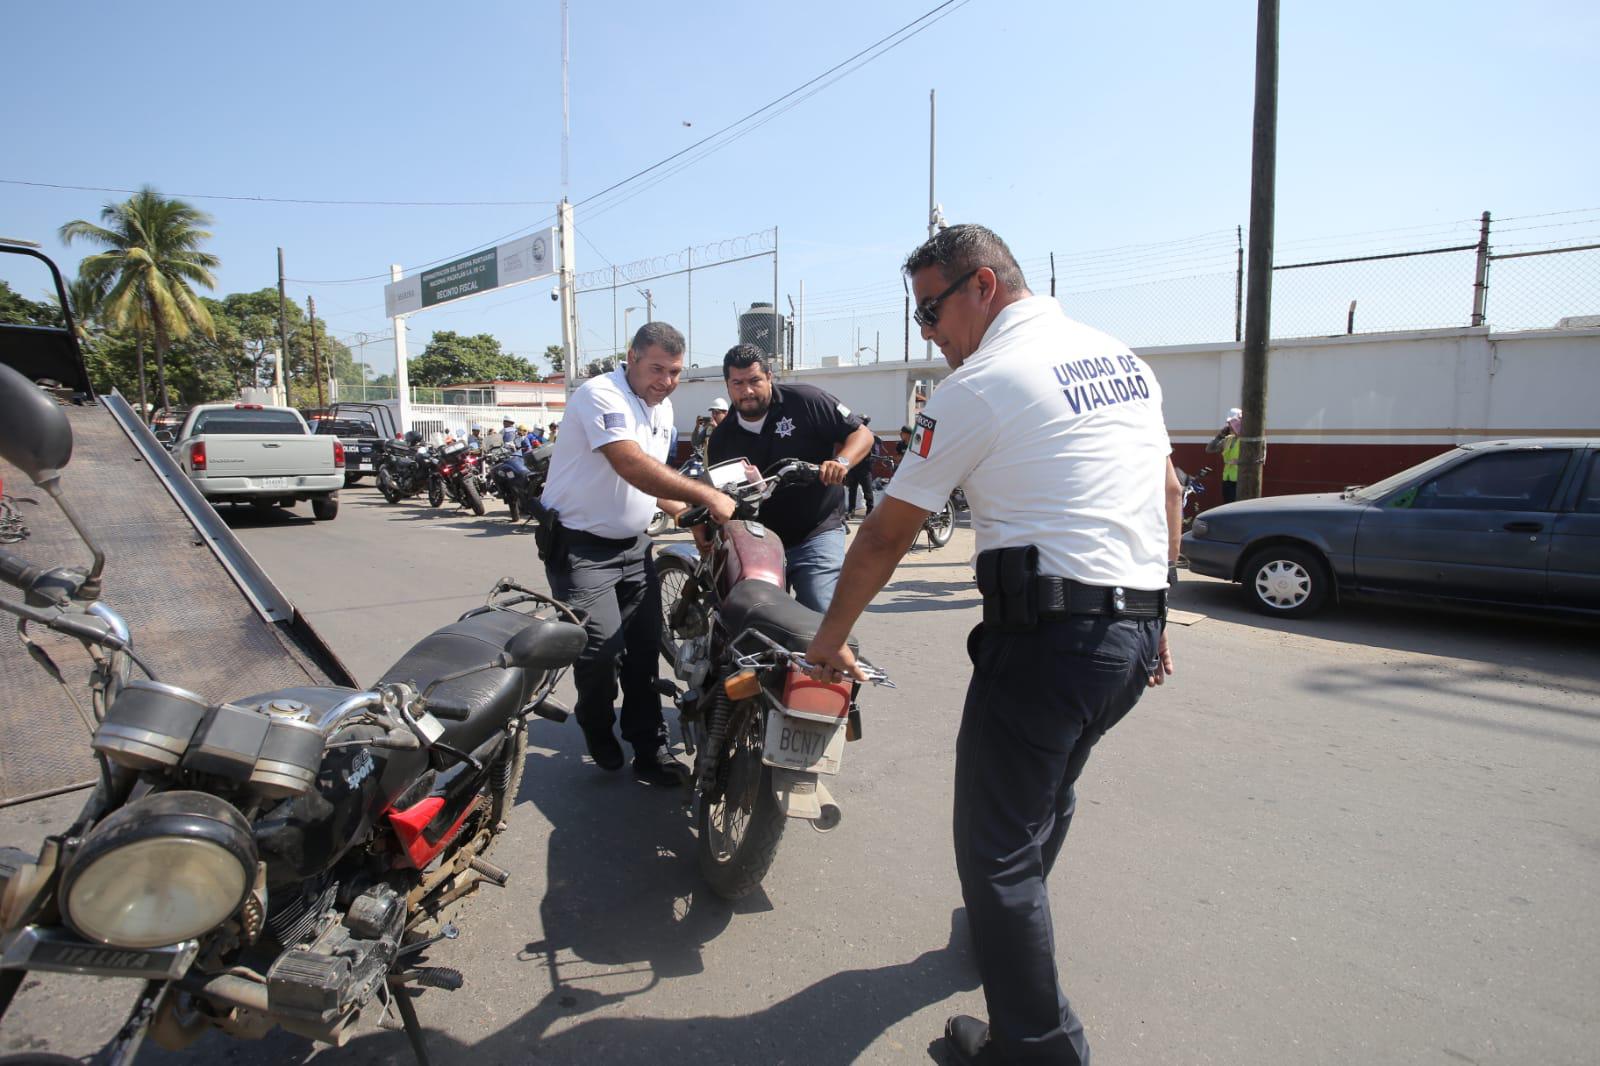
column 1372, row 836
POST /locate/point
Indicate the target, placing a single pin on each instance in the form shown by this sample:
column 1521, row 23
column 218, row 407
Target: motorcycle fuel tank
column 751, row 552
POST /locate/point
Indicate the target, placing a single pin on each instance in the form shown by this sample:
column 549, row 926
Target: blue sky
column 1069, row 128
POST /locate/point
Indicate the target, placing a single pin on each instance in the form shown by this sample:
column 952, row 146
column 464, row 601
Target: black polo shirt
column 803, row 423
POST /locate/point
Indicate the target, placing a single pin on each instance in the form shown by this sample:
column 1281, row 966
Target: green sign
column 473, row 274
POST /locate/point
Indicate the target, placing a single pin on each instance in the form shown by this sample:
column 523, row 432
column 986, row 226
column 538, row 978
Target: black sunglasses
column 927, row 313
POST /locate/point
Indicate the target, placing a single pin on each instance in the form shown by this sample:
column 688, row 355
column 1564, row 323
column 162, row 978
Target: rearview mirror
column 37, row 438
column 545, row 644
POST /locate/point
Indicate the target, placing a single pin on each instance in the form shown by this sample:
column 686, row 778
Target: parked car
column 1513, row 522
column 264, row 456
column 362, row 427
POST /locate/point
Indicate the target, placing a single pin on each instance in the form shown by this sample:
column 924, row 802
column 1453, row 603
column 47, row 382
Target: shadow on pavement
column 1508, row 640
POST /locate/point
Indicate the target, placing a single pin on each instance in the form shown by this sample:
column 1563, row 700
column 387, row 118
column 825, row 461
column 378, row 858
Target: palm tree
column 153, row 253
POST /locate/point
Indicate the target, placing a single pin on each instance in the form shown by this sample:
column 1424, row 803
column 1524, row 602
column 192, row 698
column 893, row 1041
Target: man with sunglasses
column 1054, row 430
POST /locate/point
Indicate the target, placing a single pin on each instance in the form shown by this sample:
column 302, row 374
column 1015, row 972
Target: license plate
column 797, row 744
column 273, row 482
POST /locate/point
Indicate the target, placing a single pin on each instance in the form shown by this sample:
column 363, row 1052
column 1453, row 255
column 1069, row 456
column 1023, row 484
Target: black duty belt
column 579, row 536
column 1061, row 597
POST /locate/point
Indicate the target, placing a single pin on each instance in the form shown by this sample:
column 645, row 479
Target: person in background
column 1226, row 444
column 508, row 431
column 475, row 438
column 860, row 476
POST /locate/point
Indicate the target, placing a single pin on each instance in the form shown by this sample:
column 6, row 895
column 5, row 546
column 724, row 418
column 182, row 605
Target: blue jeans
column 812, row 568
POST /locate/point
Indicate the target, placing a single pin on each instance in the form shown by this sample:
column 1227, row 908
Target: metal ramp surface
column 187, row 589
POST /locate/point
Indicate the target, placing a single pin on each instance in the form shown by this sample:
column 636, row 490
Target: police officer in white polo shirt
column 608, row 477
column 1055, row 431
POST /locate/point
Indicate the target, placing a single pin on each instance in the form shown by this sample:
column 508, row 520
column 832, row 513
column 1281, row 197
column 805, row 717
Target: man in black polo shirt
column 772, row 422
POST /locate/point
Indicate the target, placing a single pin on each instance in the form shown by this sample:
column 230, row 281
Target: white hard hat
column 719, row 404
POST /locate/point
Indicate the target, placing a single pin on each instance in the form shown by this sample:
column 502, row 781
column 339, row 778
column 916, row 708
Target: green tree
column 18, row 310
column 450, row 359
column 152, row 255
column 556, row 356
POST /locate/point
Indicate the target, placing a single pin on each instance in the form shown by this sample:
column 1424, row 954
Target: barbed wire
column 730, row 250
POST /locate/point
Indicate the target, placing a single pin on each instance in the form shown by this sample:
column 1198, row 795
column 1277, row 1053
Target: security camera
column 555, row 294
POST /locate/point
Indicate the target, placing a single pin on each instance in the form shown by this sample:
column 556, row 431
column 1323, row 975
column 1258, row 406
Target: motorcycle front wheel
column 435, row 492
column 470, row 497
column 659, row 524
column 740, row 824
column 941, row 525
column 676, row 577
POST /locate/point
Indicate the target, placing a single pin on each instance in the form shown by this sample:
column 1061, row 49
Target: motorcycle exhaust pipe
column 831, row 815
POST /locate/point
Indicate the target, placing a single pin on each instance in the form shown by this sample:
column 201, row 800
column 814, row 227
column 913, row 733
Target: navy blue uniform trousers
column 1037, row 703
column 619, row 588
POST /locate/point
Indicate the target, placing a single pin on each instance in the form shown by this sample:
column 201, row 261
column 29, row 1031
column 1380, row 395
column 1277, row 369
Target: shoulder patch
column 844, row 412
column 922, row 438
column 614, row 420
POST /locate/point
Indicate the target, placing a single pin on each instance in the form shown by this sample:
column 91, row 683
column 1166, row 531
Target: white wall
column 1447, row 386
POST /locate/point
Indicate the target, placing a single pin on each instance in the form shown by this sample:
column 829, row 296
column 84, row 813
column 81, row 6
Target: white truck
column 265, row 456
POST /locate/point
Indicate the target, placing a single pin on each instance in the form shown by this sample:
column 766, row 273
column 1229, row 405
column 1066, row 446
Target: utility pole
column 933, row 207
column 907, row 286
column 569, row 298
column 283, row 330
column 316, row 350
column 649, row 307
column 1258, row 310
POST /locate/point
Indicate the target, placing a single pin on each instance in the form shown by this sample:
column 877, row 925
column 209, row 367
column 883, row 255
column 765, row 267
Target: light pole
column 627, row 334
column 865, row 348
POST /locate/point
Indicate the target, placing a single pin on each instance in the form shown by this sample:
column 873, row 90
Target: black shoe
column 659, row 768
column 604, row 749
column 968, row 1040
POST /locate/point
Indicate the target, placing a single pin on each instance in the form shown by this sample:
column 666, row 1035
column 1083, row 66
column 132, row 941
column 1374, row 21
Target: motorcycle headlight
column 163, row 869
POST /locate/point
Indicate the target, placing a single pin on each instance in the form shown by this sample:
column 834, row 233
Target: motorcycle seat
column 493, row 696
column 774, row 613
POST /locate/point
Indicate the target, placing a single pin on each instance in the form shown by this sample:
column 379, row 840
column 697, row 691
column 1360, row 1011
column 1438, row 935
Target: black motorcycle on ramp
column 276, row 859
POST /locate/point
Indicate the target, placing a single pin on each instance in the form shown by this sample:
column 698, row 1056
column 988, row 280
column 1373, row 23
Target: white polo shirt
column 582, row 486
column 1055, row 432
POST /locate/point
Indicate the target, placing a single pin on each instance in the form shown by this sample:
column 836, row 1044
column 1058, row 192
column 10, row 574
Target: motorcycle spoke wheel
column 740, row 823
column 676, row 580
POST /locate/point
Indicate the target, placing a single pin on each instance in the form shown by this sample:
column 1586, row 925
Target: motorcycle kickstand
column 413, row 1028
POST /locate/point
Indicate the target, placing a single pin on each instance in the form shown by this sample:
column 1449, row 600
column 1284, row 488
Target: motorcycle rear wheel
column 511, row 505
column 435, row 492
column 941, row 526
column 740, row 826
column 386, row 485
column 470, row 497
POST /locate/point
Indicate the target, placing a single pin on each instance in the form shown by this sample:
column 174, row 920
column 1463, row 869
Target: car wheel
column 1287, row 580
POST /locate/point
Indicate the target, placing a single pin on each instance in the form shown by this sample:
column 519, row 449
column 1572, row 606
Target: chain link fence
column 1544, row 289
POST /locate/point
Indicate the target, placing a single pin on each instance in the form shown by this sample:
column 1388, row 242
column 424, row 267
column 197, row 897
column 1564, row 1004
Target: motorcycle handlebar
column 17, row 571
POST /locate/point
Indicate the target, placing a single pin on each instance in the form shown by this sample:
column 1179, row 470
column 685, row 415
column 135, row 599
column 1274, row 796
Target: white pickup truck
column 264, row 456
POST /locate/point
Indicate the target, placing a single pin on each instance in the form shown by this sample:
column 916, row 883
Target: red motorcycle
column 763, row 735
column 460, row 477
